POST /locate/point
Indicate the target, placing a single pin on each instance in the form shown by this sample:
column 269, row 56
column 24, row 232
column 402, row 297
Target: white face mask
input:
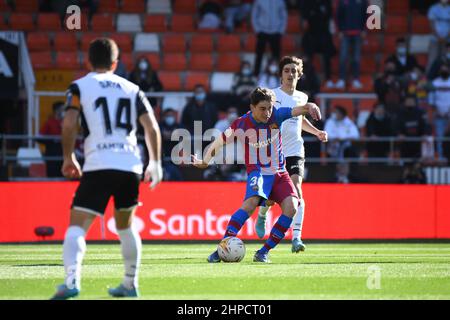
column 273, row 68
column 143, row 65
column 170, row 120
column 414, row 76
column 401, row 51
column 246, row 71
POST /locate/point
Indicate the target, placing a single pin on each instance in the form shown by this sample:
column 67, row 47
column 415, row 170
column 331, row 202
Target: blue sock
column 236, row 222
column 277, row 233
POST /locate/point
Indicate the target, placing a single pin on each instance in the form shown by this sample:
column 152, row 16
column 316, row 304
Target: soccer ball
column 231, row 249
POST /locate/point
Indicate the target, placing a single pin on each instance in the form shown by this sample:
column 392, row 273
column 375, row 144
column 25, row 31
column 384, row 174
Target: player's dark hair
column 261, row 94
column 102, row 53
column 288, row 60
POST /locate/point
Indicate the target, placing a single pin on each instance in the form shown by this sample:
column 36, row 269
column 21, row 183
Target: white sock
column 131, row 252
column 74, row 248
column 263, row 211
column 297, row 222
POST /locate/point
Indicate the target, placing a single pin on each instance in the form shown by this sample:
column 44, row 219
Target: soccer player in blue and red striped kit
column 258, row 131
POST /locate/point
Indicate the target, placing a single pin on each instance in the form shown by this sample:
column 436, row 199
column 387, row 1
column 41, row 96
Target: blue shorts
column 275, row 187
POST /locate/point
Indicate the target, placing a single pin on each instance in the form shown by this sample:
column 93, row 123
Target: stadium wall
column 200, row 211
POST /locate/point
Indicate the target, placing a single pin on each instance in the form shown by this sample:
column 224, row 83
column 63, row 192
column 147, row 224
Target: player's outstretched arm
column 310, row 128
column 71, row 168
column 154, row 171
column 212, row 150
column 309, row 108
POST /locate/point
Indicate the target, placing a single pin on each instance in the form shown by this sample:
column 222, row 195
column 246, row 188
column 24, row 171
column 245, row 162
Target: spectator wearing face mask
column 167, row 126
column 444, row 58
column 439, row 16
column 411, row 124
column 243, row 84
column 341, row 131
column 417, row 84
column 270, row 78
column 440, row 100
column 199, row 109
column 146, row 78
column 389, row 89
column 223, row 124
column 378, row 125
column 404, row 62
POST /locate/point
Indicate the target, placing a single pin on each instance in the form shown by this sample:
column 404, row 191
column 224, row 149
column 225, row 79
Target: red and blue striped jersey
column 261, row 141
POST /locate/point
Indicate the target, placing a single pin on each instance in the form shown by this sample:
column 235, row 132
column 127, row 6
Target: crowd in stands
column 413, row 96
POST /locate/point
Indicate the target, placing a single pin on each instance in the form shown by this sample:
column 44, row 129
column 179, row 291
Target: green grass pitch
column 180, row 271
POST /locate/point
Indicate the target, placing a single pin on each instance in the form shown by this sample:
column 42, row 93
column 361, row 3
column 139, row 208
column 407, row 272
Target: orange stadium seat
column 108, row 6
column 397, row 6
column 128, row 61
column 48, row 22
column 288, row 44
column 194, row 78
column 67, row 60
column 368, row 64
column 228, row 62
column 174, row 62
column 201, row 62
column 133, row 6
column 371, row 44
column 201, row 43
column 155, row 23
column 250, row 43
column 42, row 60
column 124, row 41
column 366, row 104
column 86, row 38
column 420, row 24
column 152, row 57
column 182, row 23
column 389, row 44
column 174, row 43
column 21, row 21
column 422, row 59
column 397, row 24
column 171, row 81
column 185, row 6
column 65, row 41
column 293, row 24
column 228, row 43
column 102, row 23
column 347, row 104
column 38, row 41
column 28, row 6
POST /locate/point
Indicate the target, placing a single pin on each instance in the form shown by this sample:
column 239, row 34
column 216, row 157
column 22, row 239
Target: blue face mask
column 200, row 96
column 170, row 120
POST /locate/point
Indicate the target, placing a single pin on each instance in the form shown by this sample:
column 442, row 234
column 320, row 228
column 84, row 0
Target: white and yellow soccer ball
column 231, row 249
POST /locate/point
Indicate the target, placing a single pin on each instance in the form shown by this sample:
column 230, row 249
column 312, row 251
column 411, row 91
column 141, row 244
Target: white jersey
column 291, row 129
column 110, row 106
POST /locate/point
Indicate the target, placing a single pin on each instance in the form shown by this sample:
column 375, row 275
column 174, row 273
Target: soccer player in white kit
column 291, row 69
column 109, row 107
